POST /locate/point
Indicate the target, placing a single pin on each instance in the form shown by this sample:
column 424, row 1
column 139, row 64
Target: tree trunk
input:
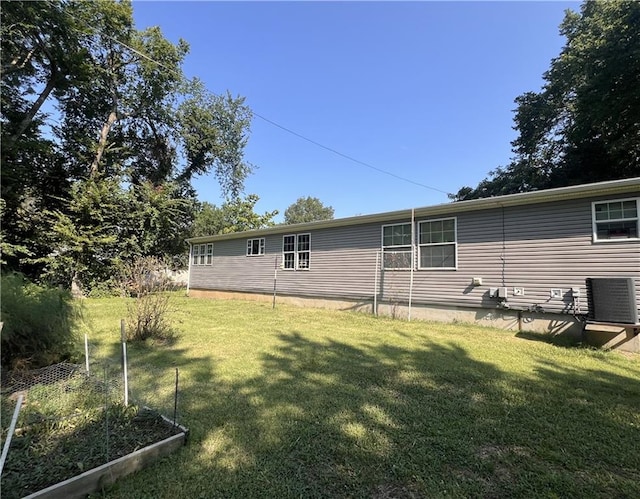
column 102, row 143
column 28, row 118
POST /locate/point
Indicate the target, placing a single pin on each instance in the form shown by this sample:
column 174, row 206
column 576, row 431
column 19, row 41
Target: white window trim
column 200, row 254
column 594, row 228
column 296, row 252
column 261, row 246
column 295, row 242
column 390, row 248
column 209, row 254
column 455, row 243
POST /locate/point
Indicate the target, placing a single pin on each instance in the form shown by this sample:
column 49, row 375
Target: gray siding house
column 521, row 261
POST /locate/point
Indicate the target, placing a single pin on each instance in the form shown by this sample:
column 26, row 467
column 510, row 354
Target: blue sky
column 424, row 90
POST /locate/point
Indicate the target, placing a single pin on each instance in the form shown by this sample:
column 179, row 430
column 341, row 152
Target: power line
column 271, row 122
column 350, row 158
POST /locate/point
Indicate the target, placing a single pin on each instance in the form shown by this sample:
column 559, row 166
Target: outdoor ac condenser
column 612, row 300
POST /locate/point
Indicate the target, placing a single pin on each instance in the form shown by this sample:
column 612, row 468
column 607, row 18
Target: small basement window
column 255, row 247
column 615, row 220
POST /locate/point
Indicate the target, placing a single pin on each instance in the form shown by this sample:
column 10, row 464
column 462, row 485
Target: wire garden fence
column 66, row 397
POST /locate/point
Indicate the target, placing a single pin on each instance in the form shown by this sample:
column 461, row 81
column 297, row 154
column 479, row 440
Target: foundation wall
column 521, row 321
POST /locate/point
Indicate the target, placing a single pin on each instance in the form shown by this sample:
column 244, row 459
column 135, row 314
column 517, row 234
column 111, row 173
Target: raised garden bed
column 74, row 457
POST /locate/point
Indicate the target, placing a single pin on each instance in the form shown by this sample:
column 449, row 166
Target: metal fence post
column 125, row 374
column 86, row 351
column 12, row 427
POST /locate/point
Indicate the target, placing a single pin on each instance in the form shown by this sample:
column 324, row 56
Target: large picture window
column 296, row 252
column 437, row 242
column 615, row 220
column 396, row 246
column 255, row 247
column 202, row 254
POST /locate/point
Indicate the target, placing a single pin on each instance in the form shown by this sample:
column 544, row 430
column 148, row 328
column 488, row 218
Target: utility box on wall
column 612, row 300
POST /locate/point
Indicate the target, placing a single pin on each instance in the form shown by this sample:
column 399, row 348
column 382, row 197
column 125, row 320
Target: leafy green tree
column 106, row 226
column 307, row 209
column 40, row 52
column 85, row 237
column 583, row 125
column 106, row 176
column 215, row 132
column 233, row 216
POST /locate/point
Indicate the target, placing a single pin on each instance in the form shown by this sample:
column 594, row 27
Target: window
column 615, row 220
column 437, row 244
column 304, row 250
column 296, row 251
column 396, row 246
column 195, row 254
column 209, row 254
column 202, row 254
column 289, row 252
column 255, row 247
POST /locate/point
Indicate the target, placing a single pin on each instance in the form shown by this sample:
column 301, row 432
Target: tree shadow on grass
column 328, row 419
column 558, row 340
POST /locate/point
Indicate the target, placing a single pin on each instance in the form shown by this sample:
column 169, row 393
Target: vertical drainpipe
column 190, row 257
column 503, row 255
column 375, row 285
column 413, row 252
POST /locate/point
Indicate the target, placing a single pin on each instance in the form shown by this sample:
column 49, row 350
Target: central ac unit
column 612, row 300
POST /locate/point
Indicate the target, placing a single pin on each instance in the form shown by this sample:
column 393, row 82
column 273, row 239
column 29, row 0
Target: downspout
column 275, row 282
column 190, row 257
column 503, row 256
column 375, row 285
column 413, row 253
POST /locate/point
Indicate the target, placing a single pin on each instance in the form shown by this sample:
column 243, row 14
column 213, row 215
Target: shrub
column 146, row 280
column 38, row 324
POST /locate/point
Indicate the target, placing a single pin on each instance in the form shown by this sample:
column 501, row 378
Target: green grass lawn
column 299, row 402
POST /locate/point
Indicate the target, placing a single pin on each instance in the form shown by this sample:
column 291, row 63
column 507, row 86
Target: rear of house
column 520, row 261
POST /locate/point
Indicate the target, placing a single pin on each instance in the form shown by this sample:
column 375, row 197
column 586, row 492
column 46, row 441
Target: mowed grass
column 299, row 402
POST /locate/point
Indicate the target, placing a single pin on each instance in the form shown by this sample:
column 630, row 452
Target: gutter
column 525, row 198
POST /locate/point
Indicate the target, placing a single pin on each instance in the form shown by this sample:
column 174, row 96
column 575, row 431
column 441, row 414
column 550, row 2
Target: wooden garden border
column 97, row 478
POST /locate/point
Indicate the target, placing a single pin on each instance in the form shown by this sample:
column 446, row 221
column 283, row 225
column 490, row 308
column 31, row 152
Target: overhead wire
column 267, row 120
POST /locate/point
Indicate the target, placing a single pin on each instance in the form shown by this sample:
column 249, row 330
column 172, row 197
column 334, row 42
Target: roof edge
column 523, row 198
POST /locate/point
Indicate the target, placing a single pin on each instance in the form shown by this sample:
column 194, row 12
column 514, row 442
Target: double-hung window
column 396, row 246
column 437, row 242
column 255, row 247
column 615, row 220
column 202, row 254
column 296, row 251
